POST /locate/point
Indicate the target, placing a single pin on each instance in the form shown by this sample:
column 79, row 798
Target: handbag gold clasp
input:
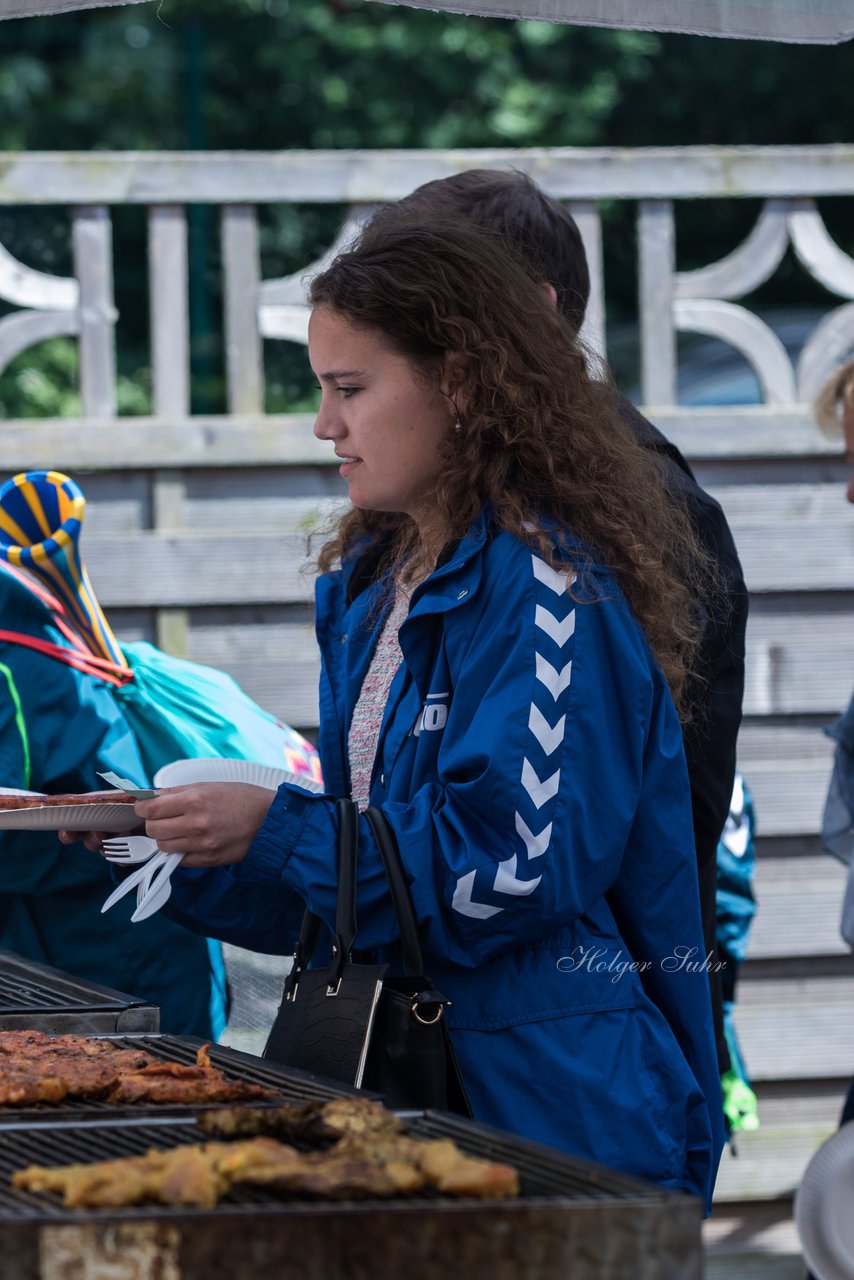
column 427, row 1022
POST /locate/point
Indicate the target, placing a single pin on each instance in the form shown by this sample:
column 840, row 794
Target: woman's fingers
column 211, row 823
column 171, row 801
column 93, row 839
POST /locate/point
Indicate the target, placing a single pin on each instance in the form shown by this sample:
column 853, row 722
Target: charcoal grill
column 35, row 997
column 573, row 1220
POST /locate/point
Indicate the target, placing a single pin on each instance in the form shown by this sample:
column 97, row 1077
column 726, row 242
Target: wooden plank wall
column 196, row 527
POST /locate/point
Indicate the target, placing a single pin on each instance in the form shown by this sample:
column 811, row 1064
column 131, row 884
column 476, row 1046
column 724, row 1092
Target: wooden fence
column 195, row 531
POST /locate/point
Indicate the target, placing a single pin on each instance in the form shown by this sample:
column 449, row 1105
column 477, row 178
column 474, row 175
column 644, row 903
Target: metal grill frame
column 36, row 997
column 583, row 1223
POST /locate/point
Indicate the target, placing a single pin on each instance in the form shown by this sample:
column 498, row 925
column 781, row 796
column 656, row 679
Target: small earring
column 458, row 426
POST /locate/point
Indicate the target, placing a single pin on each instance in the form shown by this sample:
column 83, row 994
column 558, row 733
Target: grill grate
column 17, row 993
column 21, row 994
column 544, row 1174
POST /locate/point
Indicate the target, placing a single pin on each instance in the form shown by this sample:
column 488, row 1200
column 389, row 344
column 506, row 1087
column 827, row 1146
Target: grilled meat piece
column 450, row 1170
column 40, row 1044
column 437, row 1163
column 312, row 1123
column 325, row 1176
column 89, row 797
column 37, row 1067
column 181, row 1176
column 196, row 1090
column 107, row 1184
column 201, row 1174
column 49, row 1078
column 176, row 1082
column 19, row 1090
column 187, row 1175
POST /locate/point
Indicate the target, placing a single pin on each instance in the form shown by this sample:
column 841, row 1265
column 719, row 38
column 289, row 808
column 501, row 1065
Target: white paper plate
column 182, row 772
column 823, row 1205
column 71, row 817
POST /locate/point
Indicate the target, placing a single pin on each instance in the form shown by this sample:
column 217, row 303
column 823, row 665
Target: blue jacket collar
column 364, row 567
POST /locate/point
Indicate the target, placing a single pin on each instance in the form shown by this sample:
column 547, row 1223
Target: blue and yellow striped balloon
column 40, row 517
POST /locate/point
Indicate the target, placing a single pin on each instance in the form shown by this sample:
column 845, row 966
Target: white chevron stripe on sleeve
column 555, row 681
column 559, row 631
column 536, row 845
column 553, row 578
column 549, row 737
column 539, row 789
column 462, row 900
column 506, row 882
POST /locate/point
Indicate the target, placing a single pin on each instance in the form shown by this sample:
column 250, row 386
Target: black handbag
column 355, row 1022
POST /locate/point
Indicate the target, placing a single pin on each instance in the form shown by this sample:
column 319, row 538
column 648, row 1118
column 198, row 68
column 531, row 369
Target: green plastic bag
column 179, row 709
column 175, row 709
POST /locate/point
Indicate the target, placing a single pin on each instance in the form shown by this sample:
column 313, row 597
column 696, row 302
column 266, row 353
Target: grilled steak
column 37, row 1067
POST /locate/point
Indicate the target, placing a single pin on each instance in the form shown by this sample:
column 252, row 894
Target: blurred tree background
column 271, row 74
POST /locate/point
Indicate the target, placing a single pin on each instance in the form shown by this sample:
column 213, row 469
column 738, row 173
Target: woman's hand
column 211, row 823
column 94, row 839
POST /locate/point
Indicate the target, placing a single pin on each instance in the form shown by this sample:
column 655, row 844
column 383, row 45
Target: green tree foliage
column 270, row 74
column 309, row 73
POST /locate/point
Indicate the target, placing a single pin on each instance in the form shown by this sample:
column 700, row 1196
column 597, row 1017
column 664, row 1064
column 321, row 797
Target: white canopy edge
column 791, row 21
column 38, row 8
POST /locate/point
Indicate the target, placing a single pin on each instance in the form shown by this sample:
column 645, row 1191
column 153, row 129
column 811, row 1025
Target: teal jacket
column 58, row 728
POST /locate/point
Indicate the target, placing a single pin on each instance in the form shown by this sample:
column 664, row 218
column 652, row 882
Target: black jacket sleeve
column 710, row 737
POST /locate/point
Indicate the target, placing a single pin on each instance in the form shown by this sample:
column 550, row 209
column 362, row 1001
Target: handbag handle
column 345, row 904
column 413, row 963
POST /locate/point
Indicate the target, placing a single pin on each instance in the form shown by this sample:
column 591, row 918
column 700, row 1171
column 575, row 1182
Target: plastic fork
column 129, row 849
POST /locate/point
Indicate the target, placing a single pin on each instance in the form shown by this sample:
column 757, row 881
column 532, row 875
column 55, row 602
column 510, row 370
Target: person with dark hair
column 510, row 204
column 543, row 232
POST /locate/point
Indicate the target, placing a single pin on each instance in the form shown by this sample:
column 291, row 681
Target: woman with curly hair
column 506, row 633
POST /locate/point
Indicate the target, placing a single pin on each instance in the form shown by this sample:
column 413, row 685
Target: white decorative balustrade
column 788, row 180
column 700, row 301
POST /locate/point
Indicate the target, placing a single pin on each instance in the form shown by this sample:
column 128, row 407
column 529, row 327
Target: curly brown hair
column 539, row 442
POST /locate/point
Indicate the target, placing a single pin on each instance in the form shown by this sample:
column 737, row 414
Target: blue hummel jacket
column 530, row 761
